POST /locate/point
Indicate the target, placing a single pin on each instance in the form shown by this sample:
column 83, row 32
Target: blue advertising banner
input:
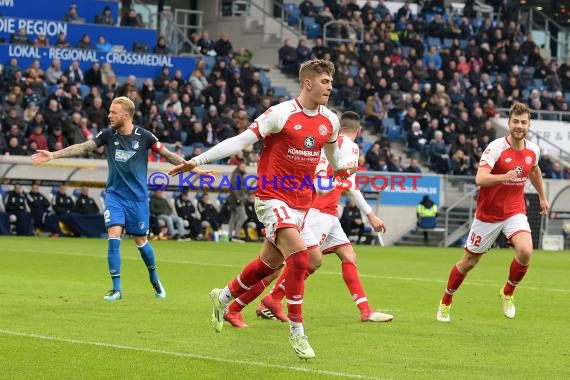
column 124, row 64
column 56, row 10
column 113, row 34
column 402, row 189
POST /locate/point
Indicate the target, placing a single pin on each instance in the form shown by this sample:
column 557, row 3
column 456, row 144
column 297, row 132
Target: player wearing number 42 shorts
column 504, row 167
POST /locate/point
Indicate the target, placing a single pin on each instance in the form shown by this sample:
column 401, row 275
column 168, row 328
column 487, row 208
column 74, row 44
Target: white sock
column 296, row 328
column 226, row 296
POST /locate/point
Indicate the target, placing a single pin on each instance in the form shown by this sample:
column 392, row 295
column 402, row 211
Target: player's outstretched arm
column 223, row 149
column 535, row 177
column 70, row 151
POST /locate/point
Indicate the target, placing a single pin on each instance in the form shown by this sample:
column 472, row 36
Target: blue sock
column 147, row 255
column 114, row 260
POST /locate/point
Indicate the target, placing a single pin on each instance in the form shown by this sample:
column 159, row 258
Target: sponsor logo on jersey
column 123, row 155
column 309, row 142
column 323, row 130
column 518, row 170
column 135, row 144
column 304, row 153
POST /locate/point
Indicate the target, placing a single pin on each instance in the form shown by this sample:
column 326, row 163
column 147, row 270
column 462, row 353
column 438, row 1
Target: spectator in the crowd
column 546, row 164
column 206, row 44
column 208, row 212
column 72, row 15
column 242, row 56
column 161, row 208
column 252, row 220
column 460, row 163
column 223, row 46
column 351, row 219
column 416, row 139
column 106, row 18
column 41, row 41
column 43, row 217
column 20, row 38
column 439, row 154
column 414, row 166
column 96, row 114
column 92, row 76
column 186, row 210
column 288, row 58
column 236, row 201
column 132, row 19
column 85, row 42
column 38, row 136
column 74, row 73
column 161, row 46
column 84, row 204
column 54, row 72
column 103, row 45
column 15, row 206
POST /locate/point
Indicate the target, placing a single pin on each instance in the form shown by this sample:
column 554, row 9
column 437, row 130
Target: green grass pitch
column 54, row 323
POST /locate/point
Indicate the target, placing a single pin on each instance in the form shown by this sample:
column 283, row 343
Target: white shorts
column 327, row 229
column 276, row 214
column 482, row 235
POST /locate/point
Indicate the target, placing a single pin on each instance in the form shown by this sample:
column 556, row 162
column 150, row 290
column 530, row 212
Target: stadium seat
column 313, row 31
column 393, row 133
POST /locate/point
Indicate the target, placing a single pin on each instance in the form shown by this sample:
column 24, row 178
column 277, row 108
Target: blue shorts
column 133, row 215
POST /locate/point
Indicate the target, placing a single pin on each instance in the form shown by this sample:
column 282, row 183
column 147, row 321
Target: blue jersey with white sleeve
column 127, row 157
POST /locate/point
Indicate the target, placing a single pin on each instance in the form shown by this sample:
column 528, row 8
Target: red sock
column 516, row 274
column 278, row 291
column 246, row 298
column 455, row 280
column 352, row 281
column 298, row 264
column 251, row 274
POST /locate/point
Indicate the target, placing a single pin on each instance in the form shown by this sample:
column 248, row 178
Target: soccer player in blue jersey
column 126, row 200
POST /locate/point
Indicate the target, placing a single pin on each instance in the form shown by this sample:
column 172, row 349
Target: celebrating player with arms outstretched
column 293, row 133
column 324, row 224
column 126, row 199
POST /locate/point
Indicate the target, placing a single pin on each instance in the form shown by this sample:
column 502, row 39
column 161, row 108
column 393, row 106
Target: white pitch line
column 186, row 355
column 486, row 283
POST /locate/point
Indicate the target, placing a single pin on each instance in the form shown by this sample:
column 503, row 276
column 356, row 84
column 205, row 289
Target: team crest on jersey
column 116, row 142
column 323, row 130
column 309, row 142
column 297, row 127
column 518, row 170
column 528, row 160
column 135, row 144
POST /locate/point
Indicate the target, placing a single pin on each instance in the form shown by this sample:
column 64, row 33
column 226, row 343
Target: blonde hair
column 519, row 109
column 127, row 105
column 315, row 67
